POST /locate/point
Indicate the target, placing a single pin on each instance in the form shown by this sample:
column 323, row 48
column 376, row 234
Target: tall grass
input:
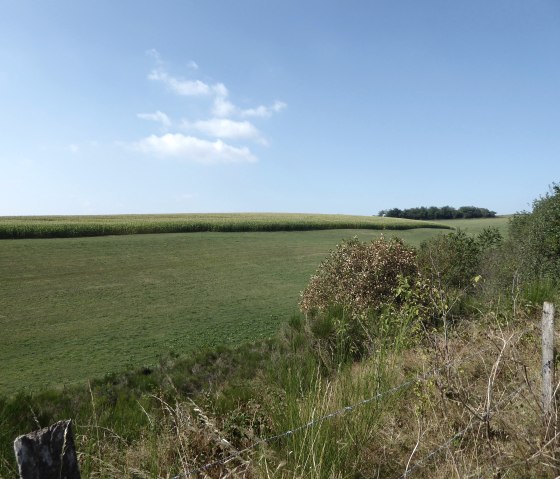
column 191, row 412
column 76, row 226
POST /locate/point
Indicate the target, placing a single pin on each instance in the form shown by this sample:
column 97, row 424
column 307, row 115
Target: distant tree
column 394, row 213
column 447, row 213
column 470, row 212
column 435, row 213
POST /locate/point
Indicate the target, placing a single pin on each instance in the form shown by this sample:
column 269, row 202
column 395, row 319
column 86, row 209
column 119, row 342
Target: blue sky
column 281, row 106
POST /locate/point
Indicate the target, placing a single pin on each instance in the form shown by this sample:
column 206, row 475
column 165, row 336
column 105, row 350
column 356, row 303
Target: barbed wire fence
column 472, row 423
column 339, row 412
column 474, row 418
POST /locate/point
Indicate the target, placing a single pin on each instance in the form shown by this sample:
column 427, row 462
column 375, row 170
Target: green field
column 76, row 308
column 15, row 227
column 476, row 225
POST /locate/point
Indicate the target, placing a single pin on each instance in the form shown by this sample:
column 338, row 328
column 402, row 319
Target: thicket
column 438, row 213
column 535, row 236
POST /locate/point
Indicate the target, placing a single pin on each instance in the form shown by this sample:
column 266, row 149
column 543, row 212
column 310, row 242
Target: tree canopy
column 438, row 213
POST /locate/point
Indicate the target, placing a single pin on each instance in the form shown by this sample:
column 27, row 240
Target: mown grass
column 476, row 225
column 78, row 226
column 79, row 308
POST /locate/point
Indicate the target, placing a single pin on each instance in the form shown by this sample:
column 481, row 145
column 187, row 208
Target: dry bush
column 359, row 276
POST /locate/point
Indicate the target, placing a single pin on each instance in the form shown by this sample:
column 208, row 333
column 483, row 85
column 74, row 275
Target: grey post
column 48, row 453
column 547, row 360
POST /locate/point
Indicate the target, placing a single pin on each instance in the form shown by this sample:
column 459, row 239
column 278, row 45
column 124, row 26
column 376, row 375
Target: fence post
column 547, row 360
column 48, row 453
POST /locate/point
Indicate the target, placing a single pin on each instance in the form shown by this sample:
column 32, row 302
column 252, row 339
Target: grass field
column 77, row 308
column 476, row 225
column 80, row 226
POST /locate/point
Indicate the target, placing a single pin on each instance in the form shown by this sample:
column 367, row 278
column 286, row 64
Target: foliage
column 450, row 260
column 359, row 277
column 441, row 213
column 536, row 236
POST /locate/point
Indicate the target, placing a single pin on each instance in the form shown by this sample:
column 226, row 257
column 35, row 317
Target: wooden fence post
column 548, row 360
column 48, row 453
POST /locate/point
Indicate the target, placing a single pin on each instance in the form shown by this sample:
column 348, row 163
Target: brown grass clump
column 181, row 441
column 479, row 417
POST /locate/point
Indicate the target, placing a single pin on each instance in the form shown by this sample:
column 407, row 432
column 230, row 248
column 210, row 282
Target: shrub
column 358, row 276
column 451, row 261
column 537, row 237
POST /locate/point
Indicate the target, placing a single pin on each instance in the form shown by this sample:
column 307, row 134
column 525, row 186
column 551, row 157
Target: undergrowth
column 465, row 404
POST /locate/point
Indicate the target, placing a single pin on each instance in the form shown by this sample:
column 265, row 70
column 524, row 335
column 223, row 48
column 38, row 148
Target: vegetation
column 438, row 213
column 359, row 277
column 436, row 377
column 536, row 236
column 110, row 303
column 78, row 226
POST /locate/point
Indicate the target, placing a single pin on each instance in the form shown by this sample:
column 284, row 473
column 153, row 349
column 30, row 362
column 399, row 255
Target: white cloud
column 224, row 128
column 152, row 52
column 263, row 111
column 180, row 86
column 157, row 116
column 223, row 107
column 220, row 90
column 228, row 122
column 192, row 149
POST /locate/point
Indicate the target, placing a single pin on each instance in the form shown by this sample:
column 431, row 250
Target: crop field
column 77, row 308
column 79, row 226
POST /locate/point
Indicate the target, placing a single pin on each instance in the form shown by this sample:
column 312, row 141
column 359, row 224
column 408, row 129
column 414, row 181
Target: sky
column 180, row 106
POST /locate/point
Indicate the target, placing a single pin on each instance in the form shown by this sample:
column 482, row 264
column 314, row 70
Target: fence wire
column 472, row 423
column 339, row 412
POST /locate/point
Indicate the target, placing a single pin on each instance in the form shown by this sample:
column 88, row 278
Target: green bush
column 536, row 236
column 451, row 261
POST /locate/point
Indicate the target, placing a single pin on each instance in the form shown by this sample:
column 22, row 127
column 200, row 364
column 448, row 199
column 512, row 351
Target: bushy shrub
column 451, row 260
column 536, row 236
column 358, row 276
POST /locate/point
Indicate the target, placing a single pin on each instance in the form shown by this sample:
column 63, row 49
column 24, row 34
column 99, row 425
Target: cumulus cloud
column 192, row 149
column 179, row 85
column 227, row 122
column 224, row 128
column 263, row 111
column 220, row 90
column 158, row 116
column 223, row 107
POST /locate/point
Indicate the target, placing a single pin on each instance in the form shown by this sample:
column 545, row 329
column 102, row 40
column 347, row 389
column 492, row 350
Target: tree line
column 438, row 213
